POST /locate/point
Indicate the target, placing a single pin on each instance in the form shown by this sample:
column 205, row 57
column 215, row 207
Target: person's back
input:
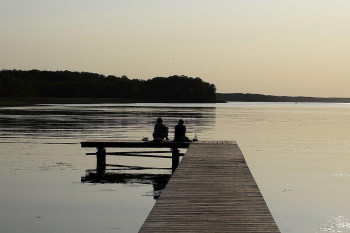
column 160, row 130
column 180, row 132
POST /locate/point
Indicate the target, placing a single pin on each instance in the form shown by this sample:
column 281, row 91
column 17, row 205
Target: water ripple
column 335, row 224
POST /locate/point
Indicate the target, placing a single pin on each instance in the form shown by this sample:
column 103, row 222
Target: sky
column 277, row 47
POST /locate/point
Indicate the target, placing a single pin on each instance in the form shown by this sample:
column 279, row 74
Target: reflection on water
column 158, row 181
column 299, row 155
column 40, row 152
column 72, row 122
column 132, row 174
column 336, row 224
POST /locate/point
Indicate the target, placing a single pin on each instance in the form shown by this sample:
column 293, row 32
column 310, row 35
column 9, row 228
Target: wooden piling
column 175, row 159
column 101, row 157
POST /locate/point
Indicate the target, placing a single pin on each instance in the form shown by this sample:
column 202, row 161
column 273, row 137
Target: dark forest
column 67, row 84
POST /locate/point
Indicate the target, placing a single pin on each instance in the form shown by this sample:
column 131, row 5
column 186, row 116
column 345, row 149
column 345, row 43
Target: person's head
column 181, row 122
column 159, row 120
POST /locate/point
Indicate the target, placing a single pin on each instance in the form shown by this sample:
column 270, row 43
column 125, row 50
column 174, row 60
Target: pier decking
column 212, row 190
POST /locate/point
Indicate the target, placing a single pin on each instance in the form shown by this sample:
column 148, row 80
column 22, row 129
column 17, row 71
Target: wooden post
column 101, row 157
column 175, row 159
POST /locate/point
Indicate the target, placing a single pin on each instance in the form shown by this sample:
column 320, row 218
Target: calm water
column 299, row 155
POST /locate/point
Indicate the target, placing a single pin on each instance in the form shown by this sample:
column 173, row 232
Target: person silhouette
column 160, row 130
column 180, row 132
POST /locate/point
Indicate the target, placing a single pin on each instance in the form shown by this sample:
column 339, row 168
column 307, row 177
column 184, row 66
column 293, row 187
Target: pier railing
column 102, row 152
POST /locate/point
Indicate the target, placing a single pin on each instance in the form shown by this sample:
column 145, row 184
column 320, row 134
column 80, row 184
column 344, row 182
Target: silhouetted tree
column 67, row 84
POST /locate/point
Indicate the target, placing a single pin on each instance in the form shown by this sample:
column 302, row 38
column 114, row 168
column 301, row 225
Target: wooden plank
column 135, row 155
column 135, row 144
column 212, row 190
column 138, row 152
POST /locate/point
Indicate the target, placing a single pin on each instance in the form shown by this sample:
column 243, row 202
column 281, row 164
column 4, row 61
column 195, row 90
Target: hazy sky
column 282, row 47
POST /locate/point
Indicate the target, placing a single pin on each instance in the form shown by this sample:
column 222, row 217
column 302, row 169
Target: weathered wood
column 148, row 144
column 135, row 152
column 136, row 167
column 175, row 159
column 137, row 155
column 101, row 152
column 212, row 190
column 101, row 157
column 135, row 144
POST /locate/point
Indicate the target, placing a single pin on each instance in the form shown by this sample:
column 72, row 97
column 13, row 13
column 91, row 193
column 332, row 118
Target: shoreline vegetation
column 21, row 88
column 237, row 97
column 67, row 86
column 27, row 101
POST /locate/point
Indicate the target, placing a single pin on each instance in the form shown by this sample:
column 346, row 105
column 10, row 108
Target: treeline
column 247, row 97
column 67, row 84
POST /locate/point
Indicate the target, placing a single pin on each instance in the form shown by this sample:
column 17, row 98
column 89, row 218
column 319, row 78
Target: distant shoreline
column 26, row 101
column 247, row 97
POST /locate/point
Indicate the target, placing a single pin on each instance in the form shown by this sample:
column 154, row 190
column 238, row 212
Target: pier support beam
column 175, row 159
column 101, row 157
column 101, row 162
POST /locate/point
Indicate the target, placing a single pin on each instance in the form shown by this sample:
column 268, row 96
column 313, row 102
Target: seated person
column 180, row 132
column 160, row 130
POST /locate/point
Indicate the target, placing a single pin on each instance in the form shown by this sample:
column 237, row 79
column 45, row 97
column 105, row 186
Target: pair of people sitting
column 161, row 131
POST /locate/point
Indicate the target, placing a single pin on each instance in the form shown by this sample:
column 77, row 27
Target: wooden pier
column 102, row 145
column 212, row 190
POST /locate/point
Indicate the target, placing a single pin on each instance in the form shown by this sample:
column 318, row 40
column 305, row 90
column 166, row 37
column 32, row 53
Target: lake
column 299, row 154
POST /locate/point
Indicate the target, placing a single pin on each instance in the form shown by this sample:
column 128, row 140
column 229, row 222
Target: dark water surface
column 299, row 155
